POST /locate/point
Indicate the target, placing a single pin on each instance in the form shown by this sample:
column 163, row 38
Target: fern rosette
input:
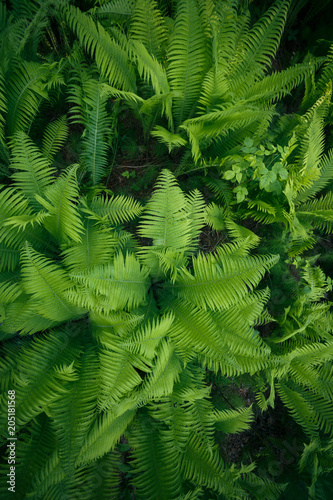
column 121, row 335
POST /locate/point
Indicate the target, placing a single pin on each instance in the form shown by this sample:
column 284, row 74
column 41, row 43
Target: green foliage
column 138, row 317
column 129, row 327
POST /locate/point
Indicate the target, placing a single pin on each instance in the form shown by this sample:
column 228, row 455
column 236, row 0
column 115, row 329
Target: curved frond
column 47, row 283
column 106, row 432
column 97, row 247
column 116, row 209
column 155, row 464
column 119, row 285
column 258, row 46
column 111, row 59
column 148, row 27
column 233, row 420
column 73, row 415
column 33, row 173
column 165, row 137
column 318, row 212
column 188, row 58
column 219, row 281
column 64, row 221
column 40, row 382
column 165, row 220
column 54, row 137
column 325, row 176
column 25, row 91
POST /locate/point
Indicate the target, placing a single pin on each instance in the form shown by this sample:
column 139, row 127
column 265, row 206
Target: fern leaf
column 64, row 221
column 155, row 464
column 39, row 382
column 3, row 105
column 111, row 282
column 73, row 415
column 110, row 57
column 145, row 339
column 233, row 421
column 318, row 212
column 106, row 433
column 54, row 137
column 188, row 59
column 25, row 91
column 164, row 374
column 165, row 220
column 97, row 130
column 116, row 10
column 46, row 282
column 148, row 27
column 256, row 49
column 325, row 176
column 97, row 247
column 118, row 371
column 165, row 137
column 116, row 209
column 220, row 281
column 202, row 466
column 33, row 174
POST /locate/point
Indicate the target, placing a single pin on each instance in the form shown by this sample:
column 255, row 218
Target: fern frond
column 164, row 374
column 325, row 168
column 110, row 282
column 164, row 219
column 23, row 316
column 205, row 467
column 39, row 382
column 97, row 130
column 219, row 281
column 256, row 49
column 47, row 283
column 145, row 339
column 156, row 470
column 275, row 86
column 312, row 144
column 233, row 421
column 195, row 207
column 311, row 411
column 15, row 213
column 64, row 221
column 54, row 137
column 33, row 173
column 165, row 137
column 148, row 27
column 188, row 59
column 25, row 91
column 195, row 330
column 111, row 59
column 97, row 247
column 73, row 415
column 106, row 432
column 3, row 105
column 120, row 94
column 318, row 212
column 116, row 10
column 214, row 125
column 116, row 209
column 215, row 216
column 118, row 371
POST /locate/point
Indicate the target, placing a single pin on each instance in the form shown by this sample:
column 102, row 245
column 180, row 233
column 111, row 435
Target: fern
column 54, row 137
column 111, row 58
column 34, row 174
column 188, row 56
column 64, row 221
column 148, row 27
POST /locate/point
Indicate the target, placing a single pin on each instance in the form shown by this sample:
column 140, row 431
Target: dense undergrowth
column 166, row 215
